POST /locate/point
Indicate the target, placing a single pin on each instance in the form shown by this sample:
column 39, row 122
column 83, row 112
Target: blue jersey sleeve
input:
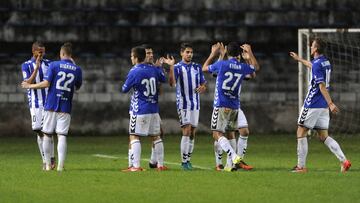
column 51, row 73
column 248, row 69
column 318, row 73
column 25, row 71
column 79, row 79
column 162, row 77
column 129, row 83
column 215, row 67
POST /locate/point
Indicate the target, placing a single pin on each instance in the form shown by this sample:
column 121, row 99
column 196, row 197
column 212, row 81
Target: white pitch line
column 166, row 162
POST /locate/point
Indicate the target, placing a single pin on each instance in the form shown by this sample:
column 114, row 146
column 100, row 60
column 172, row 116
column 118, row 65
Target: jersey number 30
column 150, row 85
column 68, row 78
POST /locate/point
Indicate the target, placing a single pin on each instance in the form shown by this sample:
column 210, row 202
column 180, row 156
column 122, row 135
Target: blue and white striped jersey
column 188, row 77
column 36, row 97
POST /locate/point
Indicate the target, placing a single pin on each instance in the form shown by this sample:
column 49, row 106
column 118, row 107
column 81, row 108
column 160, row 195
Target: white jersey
column 36, row 97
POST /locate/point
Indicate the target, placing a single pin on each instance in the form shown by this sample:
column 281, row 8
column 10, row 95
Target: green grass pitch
column 94, row 179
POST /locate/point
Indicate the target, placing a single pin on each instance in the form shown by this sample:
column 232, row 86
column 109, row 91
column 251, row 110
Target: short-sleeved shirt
column 188, row 77
column 64, row 76
column 144, row 79
column 320, row 73
column 36, row 97
column 230, row 74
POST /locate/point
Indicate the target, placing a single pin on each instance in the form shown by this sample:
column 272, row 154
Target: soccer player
column 190, row 82
column 230, row 74
column 315, row 111
column 242, row 125
column 144, row 109
column 62, row 78
column 34, row 71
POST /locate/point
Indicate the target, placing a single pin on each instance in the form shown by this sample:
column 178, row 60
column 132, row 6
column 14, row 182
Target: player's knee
column 154, row 138
column 322, row 138
column 244, row 132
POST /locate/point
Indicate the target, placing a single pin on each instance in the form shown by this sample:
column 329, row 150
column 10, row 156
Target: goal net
column 343, row 51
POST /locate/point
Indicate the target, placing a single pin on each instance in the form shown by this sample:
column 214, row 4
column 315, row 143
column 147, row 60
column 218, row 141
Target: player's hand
column 215, row 48
column 159, row 62
column 201, row 89
column 170, row 60
column 333, row 108
column 25, row 85
column 39, row 56
column 294, row 55
column 246, row 48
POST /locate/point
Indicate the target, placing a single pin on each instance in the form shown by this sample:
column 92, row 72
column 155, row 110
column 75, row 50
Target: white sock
column 130, row 158
column 52, row 147
column 191, row 148
column 302, row 150
column 46, row 148
column 61, row 148
column 159, row 151
column 40, row 144
column 184, row 148
column 153, row 157
column 229, row 162
column 136, row 150
column 242, row 145
column 225, row 145
column 335, row 148
column 218, row 153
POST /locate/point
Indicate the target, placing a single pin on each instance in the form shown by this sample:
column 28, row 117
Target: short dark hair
column 139, row 53
column 233, row 49
column 320, row 45
column 37, row 44
column 67, row 48
column 185, row 45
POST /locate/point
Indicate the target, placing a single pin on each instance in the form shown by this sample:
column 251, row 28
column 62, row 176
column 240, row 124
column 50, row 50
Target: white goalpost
column 343, row 51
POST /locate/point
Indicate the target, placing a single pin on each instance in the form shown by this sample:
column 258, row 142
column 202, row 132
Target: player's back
column 64, row 76
column 228, row 82
column 144, row 79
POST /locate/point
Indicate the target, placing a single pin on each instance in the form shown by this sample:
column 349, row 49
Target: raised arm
column 333, row 108
column 31, row 79
column 214, row 51
column 170, row 61
column 301, row 60
column 251, row 58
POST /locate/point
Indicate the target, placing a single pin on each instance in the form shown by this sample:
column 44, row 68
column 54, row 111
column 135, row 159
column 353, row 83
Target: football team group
column 51, row 86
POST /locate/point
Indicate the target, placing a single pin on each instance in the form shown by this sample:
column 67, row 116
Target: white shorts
column 187, row 117
column 224, row 119
column 56, row 122
column 241, row 120
column 37, row 115
column 144, row 125
column 314, row 118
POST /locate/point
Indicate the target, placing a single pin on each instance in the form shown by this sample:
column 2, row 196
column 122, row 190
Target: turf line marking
column 166, row 162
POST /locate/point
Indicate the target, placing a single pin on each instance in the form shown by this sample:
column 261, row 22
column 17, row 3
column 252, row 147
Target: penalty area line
column 166, row 162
